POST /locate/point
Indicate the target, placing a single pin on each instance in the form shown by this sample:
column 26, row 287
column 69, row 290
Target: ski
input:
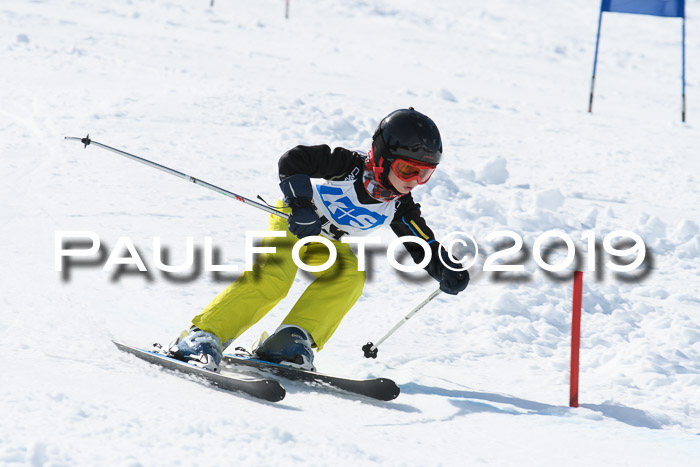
column 382, row 389
column 262, row 388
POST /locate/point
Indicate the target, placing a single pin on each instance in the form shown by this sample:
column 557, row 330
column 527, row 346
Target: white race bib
column 338, row 202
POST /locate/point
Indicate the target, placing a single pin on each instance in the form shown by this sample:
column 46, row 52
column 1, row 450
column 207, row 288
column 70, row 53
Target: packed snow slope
column 220, row 92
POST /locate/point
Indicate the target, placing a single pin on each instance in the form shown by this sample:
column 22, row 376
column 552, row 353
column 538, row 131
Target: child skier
column 358, row 193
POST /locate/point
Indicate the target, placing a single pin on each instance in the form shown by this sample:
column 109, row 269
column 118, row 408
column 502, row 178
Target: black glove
column 451, row 282
column 298, row 194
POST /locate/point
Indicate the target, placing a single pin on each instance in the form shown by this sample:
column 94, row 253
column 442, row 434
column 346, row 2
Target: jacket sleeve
column 317, row 162
column 408, row 221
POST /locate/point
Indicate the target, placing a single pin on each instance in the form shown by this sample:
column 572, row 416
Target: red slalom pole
column 575, row 338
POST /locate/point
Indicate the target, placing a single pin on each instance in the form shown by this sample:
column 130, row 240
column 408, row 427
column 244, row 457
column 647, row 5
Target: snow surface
column 219, row 93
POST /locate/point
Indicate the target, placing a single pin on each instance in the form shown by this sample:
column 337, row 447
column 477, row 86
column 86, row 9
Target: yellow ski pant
column 319, row 310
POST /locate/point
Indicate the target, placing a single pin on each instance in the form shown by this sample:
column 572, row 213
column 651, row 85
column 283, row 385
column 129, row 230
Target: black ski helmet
column 407, row 134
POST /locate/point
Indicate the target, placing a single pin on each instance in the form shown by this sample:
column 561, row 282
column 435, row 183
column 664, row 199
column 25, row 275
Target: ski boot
column 290, row 346
column 199, row 348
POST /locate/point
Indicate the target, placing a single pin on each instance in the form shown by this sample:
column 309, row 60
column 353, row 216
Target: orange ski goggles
column 408, row 170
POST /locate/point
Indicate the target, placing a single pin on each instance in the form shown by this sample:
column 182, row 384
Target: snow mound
column 493, row 172
column 550, row 199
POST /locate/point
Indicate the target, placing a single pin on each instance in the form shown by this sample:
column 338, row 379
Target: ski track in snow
column 219, row 93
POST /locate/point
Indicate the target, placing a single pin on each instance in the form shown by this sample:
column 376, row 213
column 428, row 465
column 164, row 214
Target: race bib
column 339, row 203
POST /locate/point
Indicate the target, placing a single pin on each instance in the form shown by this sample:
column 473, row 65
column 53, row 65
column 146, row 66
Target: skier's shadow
column 475, row 402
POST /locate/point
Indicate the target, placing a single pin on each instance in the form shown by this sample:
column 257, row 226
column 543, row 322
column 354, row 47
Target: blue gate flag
column 671, row 8
column 668, row 8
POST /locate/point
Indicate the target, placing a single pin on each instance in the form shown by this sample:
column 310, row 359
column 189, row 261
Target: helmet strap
column 374, row 180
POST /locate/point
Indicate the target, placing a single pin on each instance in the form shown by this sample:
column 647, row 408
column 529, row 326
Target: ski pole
column 87, row 141
column 370, row 349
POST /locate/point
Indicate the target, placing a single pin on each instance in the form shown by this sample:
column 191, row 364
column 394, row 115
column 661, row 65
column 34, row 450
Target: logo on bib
column 344, row 212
